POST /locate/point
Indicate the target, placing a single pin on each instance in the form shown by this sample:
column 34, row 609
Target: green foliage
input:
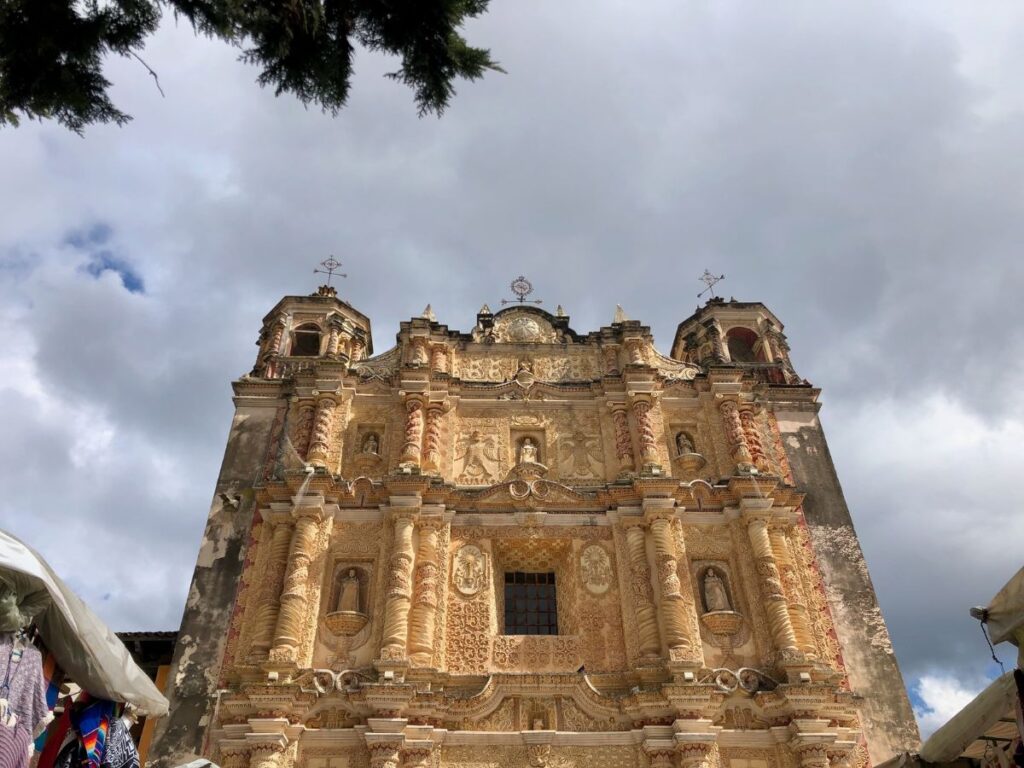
column 51, row 51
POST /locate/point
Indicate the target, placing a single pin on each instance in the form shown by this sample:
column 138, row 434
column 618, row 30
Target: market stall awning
column 85, row 648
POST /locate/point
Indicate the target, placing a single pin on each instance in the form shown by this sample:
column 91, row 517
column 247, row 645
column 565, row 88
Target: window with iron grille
column 531, row 607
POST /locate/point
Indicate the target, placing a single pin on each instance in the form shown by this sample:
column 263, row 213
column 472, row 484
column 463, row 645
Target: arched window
column 741, row 342
column 307, row 341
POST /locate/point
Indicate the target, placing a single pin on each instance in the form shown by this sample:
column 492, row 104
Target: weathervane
column 709, row 280
column 330, row 266
column 522, row 288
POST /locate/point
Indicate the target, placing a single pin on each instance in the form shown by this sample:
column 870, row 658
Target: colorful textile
column 23, row 710
column 119, row 749
column 91, row 719
column 53, row 675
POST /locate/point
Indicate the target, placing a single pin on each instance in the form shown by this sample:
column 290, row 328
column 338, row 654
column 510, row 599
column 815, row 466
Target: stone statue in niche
column 371, row 443
column 348, row 597
column 527, row 451
column 716, row 597
column 470, row 571
column 684, row 444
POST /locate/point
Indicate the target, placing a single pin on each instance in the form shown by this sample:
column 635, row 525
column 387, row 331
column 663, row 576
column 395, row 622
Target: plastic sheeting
column 85, row 648
column 1006, row 611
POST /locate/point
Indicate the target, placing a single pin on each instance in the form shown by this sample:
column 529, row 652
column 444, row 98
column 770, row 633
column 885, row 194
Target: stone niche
column 344, row 624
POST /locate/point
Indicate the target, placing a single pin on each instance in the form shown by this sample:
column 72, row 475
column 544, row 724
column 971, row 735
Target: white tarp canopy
column 85, row 648
column 1006, row 612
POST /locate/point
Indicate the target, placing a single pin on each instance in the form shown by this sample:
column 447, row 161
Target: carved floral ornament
column 520, row 327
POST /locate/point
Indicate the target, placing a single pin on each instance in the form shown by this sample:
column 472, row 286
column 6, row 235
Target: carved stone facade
column 526, row 546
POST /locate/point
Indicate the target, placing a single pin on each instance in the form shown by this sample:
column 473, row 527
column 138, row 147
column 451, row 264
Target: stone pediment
column 522, row 491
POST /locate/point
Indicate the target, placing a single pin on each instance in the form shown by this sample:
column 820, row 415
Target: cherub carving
column 582, row 452
column 479, row 457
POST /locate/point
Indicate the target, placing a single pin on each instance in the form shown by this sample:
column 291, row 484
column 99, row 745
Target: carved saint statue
column 715, row 596
column 371, row 444
column 349, row 597
column 527, row 451
column 684, row 444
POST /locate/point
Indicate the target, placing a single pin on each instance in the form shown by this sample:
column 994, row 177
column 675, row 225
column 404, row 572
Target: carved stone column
column 694, row 754
column 660, row 756
column 358, row 349
column 794, row 592
column 439, row 358
column 623, row 440
column 648, row 443
column 234, row 757
column 736, row 436
column 270, row 754
column 399, row 590
column 320, row 441
column 432, row 437
column 752, row 437
column 417, row 754
column 269, row 598
column 673, row 617
column 410, row 457
column 426, row 590
column 292, row 612
column 812, row 755
column 385, row 754
column 771, row 588
column 643, row 597
column 303, row 430
column 714, row 337
column 611, row 360
column 333, row 340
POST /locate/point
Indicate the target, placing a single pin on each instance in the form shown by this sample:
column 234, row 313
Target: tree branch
column 155, row 78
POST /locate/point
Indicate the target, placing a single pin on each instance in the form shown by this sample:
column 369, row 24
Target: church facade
column 527, row 546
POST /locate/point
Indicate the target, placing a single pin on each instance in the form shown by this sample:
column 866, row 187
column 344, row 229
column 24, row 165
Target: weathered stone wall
column 204, row 634
column 888, row 719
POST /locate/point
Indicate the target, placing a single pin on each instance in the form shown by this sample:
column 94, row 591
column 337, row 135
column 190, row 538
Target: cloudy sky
column 856, row 166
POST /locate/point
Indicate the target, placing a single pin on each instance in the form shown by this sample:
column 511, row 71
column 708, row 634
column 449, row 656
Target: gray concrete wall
column 192, row 683
column 888, row 718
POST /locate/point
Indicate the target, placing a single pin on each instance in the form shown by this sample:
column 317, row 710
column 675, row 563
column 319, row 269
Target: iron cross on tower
column 709, row 280
column 330, row 266
column 522, row 288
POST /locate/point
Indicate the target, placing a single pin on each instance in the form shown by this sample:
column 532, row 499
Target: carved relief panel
column 481, row 451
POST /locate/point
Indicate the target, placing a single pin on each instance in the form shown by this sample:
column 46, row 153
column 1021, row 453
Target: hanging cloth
column 23, row 710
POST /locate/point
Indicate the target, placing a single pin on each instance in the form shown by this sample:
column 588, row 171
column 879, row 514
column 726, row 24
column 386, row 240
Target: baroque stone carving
column 478, row 457
column 469, row 571
column 595, row 569
column 520, row 327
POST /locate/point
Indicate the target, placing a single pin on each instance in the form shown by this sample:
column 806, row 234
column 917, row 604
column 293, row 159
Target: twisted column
column 643, row 598
column 645, row 432
column 233, row 757
column 385, row 754
column 413, row 433
column 268, row 755
column 673, row 616
column 694, row 754
column 269, row 598
column 771, row 587
column 293, row 609
column 423, row 617
column 396, row 611
column 320, row 440
column 736, row 436
column 794, row 592
column 333, row 340
column 812, row 755
column 661, row 756
column 358, row 349
column 752, row 437
column 623, row 441
column 439, row 358
column 432, row 437
column 303, row 430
